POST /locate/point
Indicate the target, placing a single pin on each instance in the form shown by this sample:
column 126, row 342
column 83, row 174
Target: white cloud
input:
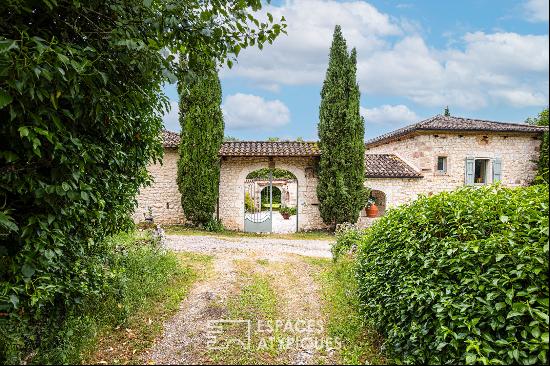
column 389, row 115
column 242, row 111
column 301, row 56
column 171, row 118
column 521, row 98
column 536, row 10
column 472, row 72
column 489, row 67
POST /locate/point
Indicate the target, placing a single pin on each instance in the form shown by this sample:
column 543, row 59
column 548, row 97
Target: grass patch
column 302, row 235
column 360, row 345
column 140, row 284
column 256, row 300
column 155, row 284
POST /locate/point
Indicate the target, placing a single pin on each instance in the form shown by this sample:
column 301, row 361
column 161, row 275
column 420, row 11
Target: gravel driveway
column 236, row 262
column 213, row 244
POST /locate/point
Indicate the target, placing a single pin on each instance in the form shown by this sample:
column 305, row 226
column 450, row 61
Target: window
column 482, row 170
column 480, row 173
column 442, row 164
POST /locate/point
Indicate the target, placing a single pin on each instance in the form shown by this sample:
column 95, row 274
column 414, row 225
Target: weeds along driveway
column 258, row 304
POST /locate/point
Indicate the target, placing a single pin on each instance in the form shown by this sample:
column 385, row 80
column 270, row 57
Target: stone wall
column 517, row 154
column 162, row 195
column 232, row 179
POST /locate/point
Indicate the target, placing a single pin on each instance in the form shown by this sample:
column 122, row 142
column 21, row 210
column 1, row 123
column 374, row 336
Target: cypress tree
column 202, row 126
column 446, row 112
column 341, row 129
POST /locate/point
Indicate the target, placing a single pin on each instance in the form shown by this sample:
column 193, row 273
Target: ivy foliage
column 202, row 126
column 341, row 188
column 460, row 277
column 81, row 107
column 275, row 173
column 543, row 169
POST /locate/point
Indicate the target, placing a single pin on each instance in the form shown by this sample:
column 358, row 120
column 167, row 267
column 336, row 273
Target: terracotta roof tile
column 376, row 165
column 170, row 139
column 456, row 124
column 269, row 148
column 388, row 166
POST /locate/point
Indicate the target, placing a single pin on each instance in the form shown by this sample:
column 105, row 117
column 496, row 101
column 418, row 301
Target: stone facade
column 232, row 185
column 516, row 153
column 162, row 196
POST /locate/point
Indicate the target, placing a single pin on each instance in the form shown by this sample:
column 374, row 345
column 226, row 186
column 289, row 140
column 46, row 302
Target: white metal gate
column 255, row 219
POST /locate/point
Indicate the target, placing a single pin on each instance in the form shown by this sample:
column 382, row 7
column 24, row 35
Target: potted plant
column 372, row 209
column 286, row 212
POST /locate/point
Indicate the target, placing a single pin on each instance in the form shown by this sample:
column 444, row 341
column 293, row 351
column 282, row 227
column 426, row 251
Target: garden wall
column 162, row 195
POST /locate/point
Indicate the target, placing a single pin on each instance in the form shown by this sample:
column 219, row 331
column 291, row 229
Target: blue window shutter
column 469, row 171
column 497, row 170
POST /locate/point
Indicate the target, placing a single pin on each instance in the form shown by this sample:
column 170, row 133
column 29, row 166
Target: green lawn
column 304, row 235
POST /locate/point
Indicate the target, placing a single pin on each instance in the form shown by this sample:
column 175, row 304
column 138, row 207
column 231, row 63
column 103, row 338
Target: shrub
column 248, row 203
column 460, row 277
column 136, row 270
column 81, row 107
column 290, row 210
column 348, row 238
column 214, row 225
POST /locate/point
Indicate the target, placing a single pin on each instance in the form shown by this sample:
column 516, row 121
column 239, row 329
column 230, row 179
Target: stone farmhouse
column 434, row 155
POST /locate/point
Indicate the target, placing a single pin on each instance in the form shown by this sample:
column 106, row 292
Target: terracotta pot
column 372, row 210
column 286, row 216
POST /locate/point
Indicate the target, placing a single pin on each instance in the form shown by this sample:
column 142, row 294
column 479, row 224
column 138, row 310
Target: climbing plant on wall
column 341, row 188
column 542, row 120
column 201, row 122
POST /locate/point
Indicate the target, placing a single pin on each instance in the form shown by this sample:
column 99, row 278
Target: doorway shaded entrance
column 270, row 201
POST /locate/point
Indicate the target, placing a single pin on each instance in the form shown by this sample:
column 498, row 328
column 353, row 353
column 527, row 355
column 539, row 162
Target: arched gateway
column 239, row 159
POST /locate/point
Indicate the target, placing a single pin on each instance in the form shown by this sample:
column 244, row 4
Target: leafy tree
column 341, row 188
column 542, row 120
column 201, row 121
column 446, row 113
column 81, row 108
column 273, row 139
column 230, row 139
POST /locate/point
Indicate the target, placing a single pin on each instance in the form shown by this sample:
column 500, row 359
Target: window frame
column 488, row 171
column 446, row 165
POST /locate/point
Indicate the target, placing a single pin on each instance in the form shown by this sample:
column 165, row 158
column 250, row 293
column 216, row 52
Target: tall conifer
column 202, row 126
column 341, row 188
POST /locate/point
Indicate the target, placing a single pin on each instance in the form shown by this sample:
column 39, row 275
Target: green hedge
column 460, row 277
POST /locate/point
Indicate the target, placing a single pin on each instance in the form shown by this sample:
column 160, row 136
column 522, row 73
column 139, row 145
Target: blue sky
column 483, row 58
